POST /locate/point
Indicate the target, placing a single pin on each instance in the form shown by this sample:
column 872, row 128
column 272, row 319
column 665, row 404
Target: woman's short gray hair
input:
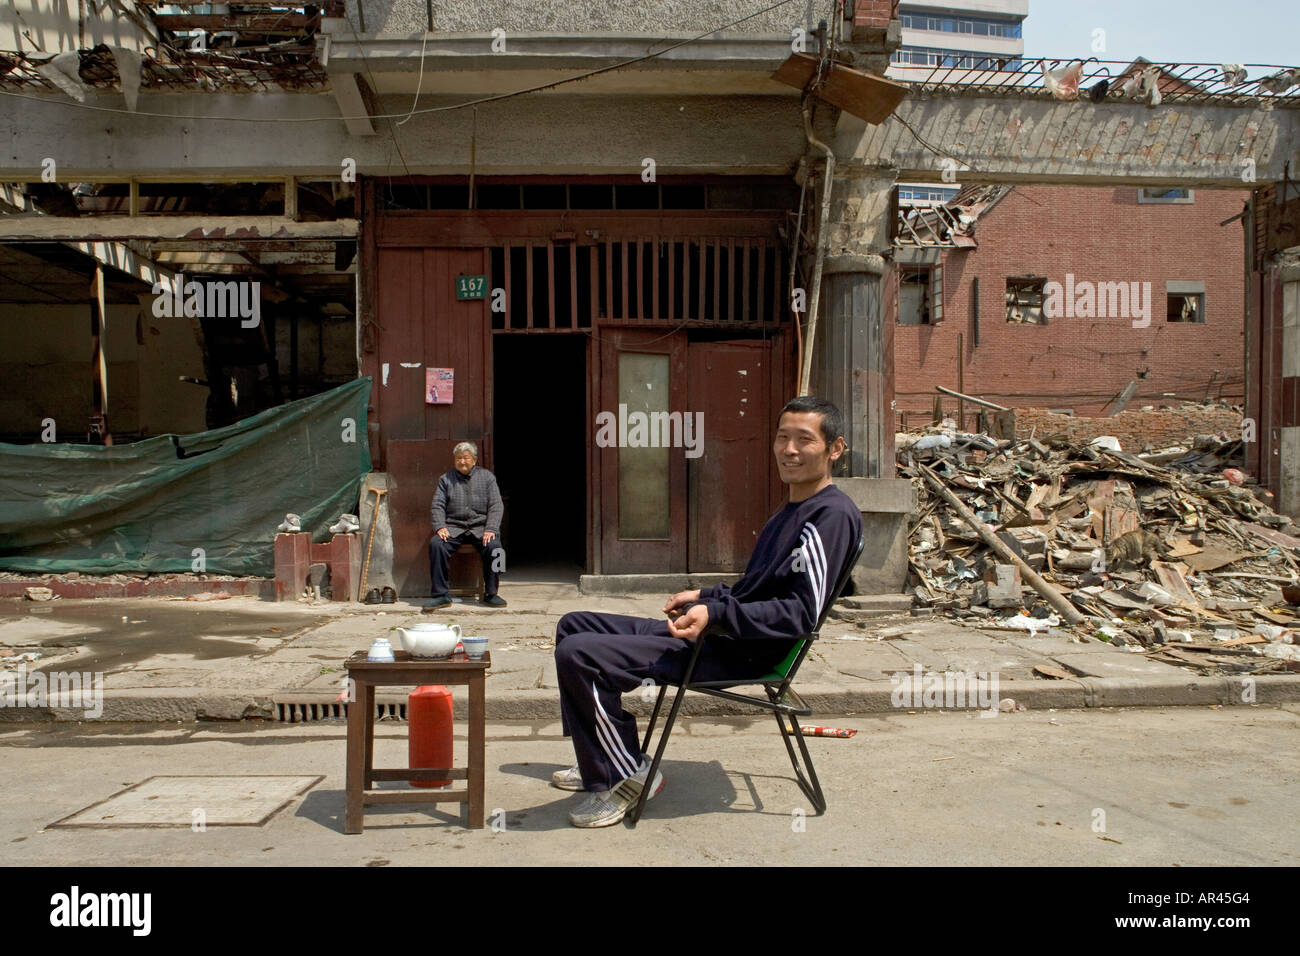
column 465, row 446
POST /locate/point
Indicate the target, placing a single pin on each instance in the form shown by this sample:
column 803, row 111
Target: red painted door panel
column 730, row 483
column 422, row 325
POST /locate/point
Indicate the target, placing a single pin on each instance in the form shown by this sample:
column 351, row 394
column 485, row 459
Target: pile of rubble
column 1173, row 553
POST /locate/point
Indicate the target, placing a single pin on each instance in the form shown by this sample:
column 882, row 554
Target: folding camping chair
column 781, row 701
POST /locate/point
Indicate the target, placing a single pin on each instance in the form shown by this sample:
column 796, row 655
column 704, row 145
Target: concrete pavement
column 1101, row 787
column 172, row 659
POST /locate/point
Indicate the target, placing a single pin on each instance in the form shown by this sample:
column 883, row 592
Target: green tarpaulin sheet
column 185, row 503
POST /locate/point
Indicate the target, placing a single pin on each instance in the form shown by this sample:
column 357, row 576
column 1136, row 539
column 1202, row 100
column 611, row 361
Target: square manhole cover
column 243, row 800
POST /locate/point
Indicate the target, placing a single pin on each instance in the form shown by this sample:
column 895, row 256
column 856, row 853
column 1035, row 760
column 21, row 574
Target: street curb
column 163, row 586
column 148, row 705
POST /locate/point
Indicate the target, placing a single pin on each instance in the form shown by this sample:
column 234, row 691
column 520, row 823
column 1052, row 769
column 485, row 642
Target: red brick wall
column 1136, row 430
column 875, row 13
column 1100, row 234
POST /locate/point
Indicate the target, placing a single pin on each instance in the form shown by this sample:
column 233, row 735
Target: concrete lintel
column 219, row 137
column 880, row 495
column 920, row 255
column 1121, row 178
column 87, row 229
column 849, row 262
column 523, row 50
column 855, row 173
column 1013, row 139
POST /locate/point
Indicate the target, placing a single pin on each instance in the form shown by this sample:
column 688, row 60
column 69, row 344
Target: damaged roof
column 256, row 47
column 950, row 224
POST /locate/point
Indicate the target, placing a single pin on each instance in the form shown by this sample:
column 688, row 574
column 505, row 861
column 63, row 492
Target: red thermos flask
column 428, row 713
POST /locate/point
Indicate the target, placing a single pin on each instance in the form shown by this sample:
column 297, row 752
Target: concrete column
column 852, row 355
column 853, row 362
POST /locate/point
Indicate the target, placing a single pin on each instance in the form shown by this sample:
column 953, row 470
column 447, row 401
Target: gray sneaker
column 608, row 807
column 570, row 779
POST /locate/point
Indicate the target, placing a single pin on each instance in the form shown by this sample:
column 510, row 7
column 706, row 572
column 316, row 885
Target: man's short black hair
column 832, row 420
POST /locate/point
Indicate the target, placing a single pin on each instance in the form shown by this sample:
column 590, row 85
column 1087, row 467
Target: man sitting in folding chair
column 800, row 560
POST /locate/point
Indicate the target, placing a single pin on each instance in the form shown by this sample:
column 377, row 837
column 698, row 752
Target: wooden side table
column 361, row 772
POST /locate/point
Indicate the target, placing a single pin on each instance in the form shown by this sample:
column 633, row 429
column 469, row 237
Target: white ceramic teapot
column 428, row 639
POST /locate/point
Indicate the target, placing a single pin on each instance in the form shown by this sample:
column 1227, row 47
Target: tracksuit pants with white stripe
column 599, row 656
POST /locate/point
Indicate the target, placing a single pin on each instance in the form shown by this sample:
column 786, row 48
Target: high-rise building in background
column 983, row 34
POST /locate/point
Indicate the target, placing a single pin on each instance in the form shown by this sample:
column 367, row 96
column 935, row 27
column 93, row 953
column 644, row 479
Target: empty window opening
column 919, row 295
column 1160, row 195
column 1185, row 307
column 1025, row 300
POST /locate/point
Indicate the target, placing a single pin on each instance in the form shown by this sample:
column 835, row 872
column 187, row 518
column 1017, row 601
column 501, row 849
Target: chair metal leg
column 812, row 788
column 635, row 815
column 654, row 715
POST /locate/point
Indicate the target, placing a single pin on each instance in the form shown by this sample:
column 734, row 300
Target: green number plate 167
column 471, row 287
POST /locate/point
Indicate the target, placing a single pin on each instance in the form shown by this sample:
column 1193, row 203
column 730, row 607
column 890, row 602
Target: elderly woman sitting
column 466, row 509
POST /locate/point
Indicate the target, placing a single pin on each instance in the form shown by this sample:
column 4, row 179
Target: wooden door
column 731, row 482
column 422, row 325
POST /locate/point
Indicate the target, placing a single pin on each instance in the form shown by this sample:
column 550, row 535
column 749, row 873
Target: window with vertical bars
column 558, row 286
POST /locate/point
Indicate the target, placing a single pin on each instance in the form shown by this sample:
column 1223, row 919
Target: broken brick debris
column 1159, row 553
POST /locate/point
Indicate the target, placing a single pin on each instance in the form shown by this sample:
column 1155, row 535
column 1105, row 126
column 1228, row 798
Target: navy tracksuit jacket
column 797, row 559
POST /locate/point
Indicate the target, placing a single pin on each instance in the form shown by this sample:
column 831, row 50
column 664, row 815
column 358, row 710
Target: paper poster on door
column 438, row 384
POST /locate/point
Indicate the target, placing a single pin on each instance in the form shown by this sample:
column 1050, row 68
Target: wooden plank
column 477, row 751
column 1272, row 536
column 505, row 316
column 704, row 252
column 764, row 305
column 717, row 280
column 686, row 279
column 354, row 808
column 672, row 279
column 1182, row 547
column 1171, row 579
column 731, row 280
column 550, row 286
column 782, row 296
column 744, row 278
column 528, row 304
column 573, row 286
column 1246, row 639
column 422, row 773
column 99, row 336
column 593, row 265
column 1213, row 557
column 609, row 282
column 415, row 796
column 865, row 95
column 654, row 271
column 623, row 249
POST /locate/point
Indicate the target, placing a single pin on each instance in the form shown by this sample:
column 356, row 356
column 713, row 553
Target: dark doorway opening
column 540, row 452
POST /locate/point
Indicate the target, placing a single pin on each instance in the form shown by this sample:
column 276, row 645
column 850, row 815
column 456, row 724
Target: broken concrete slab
column 1121, row 664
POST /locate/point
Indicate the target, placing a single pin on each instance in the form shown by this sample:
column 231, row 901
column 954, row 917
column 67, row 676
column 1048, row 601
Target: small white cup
column 475, row 647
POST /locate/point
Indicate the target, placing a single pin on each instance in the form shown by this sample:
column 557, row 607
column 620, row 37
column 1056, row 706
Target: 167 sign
column 471, row 287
